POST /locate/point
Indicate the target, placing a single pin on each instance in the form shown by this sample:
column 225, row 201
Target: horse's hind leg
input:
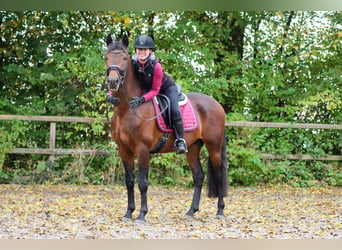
column 216, row 178
column 217, row 174
column 197, row 175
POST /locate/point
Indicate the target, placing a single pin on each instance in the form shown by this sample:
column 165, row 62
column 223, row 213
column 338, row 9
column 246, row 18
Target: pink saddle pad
column 189, row 117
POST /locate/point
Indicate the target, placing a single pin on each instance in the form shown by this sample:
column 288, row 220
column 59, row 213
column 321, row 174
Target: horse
column 136, row 136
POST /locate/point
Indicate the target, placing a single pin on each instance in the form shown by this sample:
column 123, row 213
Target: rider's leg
column 176, row 119
column 179, row 144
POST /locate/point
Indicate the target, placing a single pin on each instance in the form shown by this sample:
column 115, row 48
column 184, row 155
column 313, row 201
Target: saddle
column 161, row 103
column 164, row 106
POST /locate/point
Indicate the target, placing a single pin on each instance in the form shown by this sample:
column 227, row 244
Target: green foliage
column 169, row 169
column 304, row 174
column 247, row 168
column 10, row 134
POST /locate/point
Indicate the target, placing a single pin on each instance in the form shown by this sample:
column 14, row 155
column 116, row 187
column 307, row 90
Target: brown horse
column 136, row 135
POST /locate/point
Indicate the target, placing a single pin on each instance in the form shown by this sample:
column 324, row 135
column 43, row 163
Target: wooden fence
column 52, row 151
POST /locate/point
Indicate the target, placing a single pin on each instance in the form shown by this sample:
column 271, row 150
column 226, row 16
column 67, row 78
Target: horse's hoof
column 140, row 221
column 220, row 216
column 125, row 219
column 188, row 217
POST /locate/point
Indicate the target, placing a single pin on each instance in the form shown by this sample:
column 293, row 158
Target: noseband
column 117, row 68
column 122, row 73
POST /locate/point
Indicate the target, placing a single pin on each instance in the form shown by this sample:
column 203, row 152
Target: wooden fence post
column 52, row 140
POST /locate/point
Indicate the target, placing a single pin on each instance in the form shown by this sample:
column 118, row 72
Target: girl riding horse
column 154, row 81
column 136, row 136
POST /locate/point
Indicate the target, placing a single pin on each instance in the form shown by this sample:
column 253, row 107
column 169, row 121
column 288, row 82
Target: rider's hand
column 113, row 100
column 136, row 101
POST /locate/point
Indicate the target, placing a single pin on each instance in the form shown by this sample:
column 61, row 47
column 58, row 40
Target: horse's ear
column 109, row 39
column 125, row 40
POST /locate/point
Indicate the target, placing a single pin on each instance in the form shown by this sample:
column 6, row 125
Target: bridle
column 122, row 73
column 120, row 80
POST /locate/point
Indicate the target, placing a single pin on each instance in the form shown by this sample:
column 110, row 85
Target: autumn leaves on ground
column 94, row 212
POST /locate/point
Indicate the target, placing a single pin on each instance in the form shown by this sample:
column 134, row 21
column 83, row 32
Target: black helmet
column 144, row 42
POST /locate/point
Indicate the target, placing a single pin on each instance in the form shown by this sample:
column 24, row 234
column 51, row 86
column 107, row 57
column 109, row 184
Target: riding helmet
column 144, row 42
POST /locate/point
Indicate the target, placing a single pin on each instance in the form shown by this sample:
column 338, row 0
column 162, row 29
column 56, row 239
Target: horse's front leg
column 128, row 163
column 143, row 165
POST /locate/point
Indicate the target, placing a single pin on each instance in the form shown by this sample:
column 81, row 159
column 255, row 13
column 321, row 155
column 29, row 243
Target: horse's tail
column 218, row 183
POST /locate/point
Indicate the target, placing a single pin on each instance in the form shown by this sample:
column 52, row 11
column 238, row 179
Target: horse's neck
column 132, row 86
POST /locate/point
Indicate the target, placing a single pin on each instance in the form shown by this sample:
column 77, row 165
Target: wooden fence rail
column 52, row 151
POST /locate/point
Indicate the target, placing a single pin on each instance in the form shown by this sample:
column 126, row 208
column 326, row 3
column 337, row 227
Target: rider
column 154, row 81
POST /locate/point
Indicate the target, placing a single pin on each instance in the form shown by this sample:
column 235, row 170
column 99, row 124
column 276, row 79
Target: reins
column 149, row 119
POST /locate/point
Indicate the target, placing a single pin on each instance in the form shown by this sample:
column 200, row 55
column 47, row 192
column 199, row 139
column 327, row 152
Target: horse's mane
column 116, row 45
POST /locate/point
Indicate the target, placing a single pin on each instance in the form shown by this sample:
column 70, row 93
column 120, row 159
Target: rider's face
column 143, row 54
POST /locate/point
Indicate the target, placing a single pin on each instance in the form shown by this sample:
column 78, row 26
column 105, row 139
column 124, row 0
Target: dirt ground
column 94, row 212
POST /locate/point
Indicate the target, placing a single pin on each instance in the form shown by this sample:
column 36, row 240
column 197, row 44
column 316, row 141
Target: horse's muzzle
column 114, row 80
column 113, row 83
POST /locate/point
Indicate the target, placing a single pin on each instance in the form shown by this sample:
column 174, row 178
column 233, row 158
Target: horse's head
column 116, row 62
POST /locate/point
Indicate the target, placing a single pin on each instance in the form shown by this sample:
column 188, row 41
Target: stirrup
column 180, row 146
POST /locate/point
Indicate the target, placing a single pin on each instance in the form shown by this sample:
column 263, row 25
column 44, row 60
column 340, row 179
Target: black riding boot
column 179, row 144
